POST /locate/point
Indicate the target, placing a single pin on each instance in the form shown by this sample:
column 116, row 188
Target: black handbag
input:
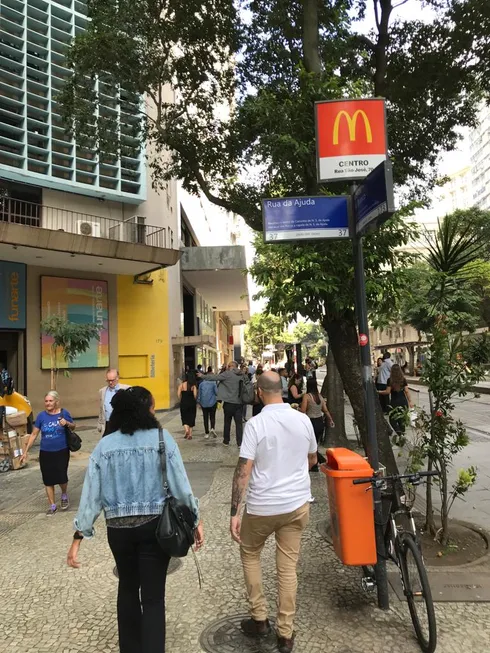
column 175, row 530
column 73, row 440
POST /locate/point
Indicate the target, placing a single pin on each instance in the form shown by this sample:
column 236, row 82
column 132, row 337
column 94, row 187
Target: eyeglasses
column 111, row 380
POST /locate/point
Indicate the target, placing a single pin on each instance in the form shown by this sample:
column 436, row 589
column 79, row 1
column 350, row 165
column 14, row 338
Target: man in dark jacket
column 229, row 392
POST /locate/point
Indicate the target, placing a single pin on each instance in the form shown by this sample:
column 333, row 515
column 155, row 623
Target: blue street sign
column 305, row 218
column 373, row 200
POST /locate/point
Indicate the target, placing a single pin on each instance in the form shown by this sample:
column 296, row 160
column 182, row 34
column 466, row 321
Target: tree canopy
column 263, row 330
column 240, row 123
column 241, row 126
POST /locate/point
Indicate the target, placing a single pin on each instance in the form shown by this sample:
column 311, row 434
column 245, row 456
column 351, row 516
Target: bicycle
column 403, row 548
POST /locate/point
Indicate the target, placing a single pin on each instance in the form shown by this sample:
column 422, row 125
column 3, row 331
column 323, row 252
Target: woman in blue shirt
column 54, row 455
column 124, row 479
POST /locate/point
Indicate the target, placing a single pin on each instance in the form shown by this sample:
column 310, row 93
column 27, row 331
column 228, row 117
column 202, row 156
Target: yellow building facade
column 143, row 335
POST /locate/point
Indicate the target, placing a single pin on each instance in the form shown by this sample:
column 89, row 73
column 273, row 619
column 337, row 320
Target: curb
column 484, row 559
column 476, row 389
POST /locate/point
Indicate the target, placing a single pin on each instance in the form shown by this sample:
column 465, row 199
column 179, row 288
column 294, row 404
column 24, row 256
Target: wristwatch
column 77, row 536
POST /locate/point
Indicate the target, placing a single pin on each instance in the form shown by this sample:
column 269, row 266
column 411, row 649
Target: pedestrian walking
column 229, row 392
column 398, row 396
column 310, row 369
column 278, row 448
column 105, row 397
column 207, row 397
column 315, row 407
column 244, row 370
column 54, row 455
column 124, row 479
column 258, row 403
column 295, row 394
column 382, row 379
column 251, row 370
column 284, row 381
column 187, row 394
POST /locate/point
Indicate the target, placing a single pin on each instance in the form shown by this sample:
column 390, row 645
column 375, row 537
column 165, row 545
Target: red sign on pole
column 350, row 138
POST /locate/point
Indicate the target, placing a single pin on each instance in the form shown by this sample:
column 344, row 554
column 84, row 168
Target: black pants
column 318, row 424
column 142, row 566
column 233, row 412
column 208, row 413
column 383, row 399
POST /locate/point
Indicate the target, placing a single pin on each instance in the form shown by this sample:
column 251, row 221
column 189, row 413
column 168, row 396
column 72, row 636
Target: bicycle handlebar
column 395, row 477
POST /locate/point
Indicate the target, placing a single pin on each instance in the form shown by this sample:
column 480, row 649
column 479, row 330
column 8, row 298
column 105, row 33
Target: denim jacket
column 124, row 478
column 207, row 394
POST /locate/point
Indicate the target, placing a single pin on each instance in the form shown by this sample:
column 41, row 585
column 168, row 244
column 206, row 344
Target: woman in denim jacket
column 124, row 479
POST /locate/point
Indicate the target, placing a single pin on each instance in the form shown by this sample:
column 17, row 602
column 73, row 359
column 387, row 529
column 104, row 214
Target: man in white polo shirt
column 278, row 449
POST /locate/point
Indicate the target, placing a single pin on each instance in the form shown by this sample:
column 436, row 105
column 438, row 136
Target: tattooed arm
column 240, row 482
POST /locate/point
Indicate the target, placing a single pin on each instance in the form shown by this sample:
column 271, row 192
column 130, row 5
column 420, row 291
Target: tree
column 263, row 330
column 69, row 341
column 285, row 55
column 312, row 336
column 450, row 259
column 462, row 305
column 320, row 287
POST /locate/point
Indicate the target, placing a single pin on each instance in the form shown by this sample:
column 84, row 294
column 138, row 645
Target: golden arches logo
column 351, row 123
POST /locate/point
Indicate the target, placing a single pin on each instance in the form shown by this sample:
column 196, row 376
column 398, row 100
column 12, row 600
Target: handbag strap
column 163, row 463
column 163, row 459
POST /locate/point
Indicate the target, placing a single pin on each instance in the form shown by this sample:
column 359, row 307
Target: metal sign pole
column 369, row 405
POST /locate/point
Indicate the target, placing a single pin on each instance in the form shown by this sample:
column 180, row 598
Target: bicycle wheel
column 418, row 594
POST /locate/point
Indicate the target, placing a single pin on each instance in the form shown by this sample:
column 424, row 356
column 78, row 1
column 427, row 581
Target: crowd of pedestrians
column 127, row 480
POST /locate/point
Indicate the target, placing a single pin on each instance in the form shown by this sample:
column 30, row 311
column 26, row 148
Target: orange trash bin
column 351, row 507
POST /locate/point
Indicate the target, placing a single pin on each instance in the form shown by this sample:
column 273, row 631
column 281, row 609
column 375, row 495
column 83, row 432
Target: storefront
column 13, row 321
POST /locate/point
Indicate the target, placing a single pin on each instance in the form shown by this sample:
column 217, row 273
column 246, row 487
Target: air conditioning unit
column 88, row 228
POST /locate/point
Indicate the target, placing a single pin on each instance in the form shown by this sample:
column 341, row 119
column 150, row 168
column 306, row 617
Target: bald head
column 269, row 387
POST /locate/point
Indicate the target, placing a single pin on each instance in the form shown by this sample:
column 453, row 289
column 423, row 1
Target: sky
column 450, row 161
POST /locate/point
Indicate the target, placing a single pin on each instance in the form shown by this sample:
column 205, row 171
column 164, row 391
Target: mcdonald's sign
column 350, row 138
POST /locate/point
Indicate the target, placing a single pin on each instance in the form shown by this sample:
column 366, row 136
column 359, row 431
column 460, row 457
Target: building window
column 187, row 237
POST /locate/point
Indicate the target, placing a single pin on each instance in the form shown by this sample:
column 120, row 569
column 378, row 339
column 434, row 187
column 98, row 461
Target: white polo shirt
column 278, row 440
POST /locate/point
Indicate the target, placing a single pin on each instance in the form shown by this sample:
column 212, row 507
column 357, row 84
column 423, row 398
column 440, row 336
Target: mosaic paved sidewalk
column 47, row 607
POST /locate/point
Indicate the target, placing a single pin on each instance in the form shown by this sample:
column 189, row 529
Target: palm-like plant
column 452, row 303
column 450, row 256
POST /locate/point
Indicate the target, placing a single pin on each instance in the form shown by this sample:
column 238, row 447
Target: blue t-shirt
column 53, row 435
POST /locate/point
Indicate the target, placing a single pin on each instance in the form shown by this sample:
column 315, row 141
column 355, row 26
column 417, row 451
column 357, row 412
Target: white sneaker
column 206, row 436
column 213, row 433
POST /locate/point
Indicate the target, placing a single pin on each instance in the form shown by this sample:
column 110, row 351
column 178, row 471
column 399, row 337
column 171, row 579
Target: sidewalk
column 47, row 607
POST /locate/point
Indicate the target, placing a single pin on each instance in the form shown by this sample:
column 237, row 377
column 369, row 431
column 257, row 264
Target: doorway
column 12, row 357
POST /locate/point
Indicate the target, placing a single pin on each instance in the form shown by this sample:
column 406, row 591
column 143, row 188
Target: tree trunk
column 411, row 358
column 333, row 389
column 311, row 52
column 444, row 539
column 382, row 44
column 430, row 525
column 342, row 335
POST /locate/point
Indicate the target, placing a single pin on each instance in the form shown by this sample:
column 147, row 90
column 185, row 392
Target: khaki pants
column 288, row 530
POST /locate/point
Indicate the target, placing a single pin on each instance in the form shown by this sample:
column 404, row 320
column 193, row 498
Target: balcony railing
column 129, row 230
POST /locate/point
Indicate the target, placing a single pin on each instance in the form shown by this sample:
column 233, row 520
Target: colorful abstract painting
column 83, row 301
